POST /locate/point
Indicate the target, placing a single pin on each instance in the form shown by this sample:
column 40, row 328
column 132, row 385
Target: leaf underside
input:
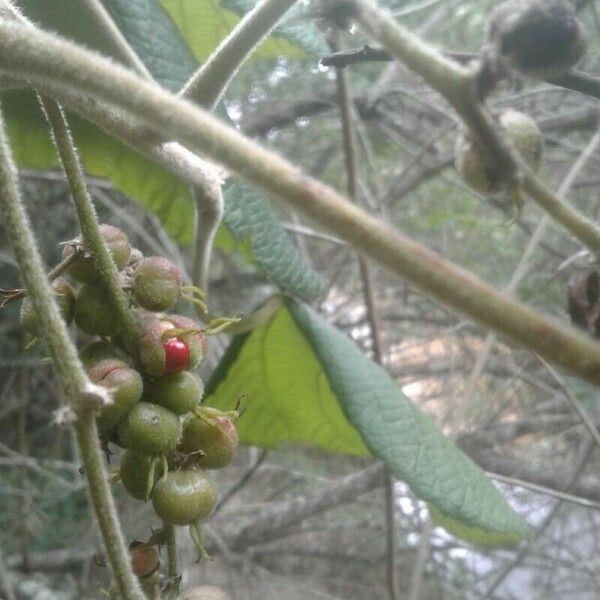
column 307, row 383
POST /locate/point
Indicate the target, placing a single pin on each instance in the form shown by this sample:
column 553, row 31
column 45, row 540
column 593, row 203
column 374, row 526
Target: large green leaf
column 250, row 217
column 307, row 383
column 204, row 24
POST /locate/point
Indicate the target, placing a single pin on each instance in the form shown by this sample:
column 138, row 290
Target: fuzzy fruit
column 184, row 497
column 211, row 442
column 162, row 355
column 93, row 311
column 134, row 471
column 521, row 131
column 83, row 268
column 64, row 296
column 94, row 352
column 179, row 393
column 126, row 386
column 150, row 429
column 157, row 284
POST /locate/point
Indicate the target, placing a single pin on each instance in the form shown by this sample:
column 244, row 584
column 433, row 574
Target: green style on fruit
column 184, row 497
column 524, row 135
column 137, row 474
column 150, row 429
column 180, row 393
column 83, row 268
column 64, row 296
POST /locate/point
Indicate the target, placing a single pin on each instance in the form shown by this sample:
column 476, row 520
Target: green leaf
column 102, row 156
column 289, row 399
column 250, row 217
column 156, row 40
column 204, row 24
column 308, row 383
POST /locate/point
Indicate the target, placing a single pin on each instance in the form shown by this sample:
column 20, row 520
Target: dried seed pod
column 537, row 38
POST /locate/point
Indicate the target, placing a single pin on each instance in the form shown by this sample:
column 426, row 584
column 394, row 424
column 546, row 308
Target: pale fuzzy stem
column 88, row 222
column 207, row 85
column 104, row 509
column 43, row 57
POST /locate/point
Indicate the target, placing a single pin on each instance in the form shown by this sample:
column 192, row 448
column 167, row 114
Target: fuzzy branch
column 42, row 57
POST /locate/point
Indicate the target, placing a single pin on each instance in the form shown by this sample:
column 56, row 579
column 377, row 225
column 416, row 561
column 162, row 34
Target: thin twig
column 173, row 563
column 351, row 159
column 87, row 74
column 59, row 269
column 6, row 586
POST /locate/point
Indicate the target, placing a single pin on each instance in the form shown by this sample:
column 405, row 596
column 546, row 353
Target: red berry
column 177, row 356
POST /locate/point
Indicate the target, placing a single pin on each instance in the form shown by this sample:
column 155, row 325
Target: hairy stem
column 104, row 508
column 85, row 73
column 88, row 221
column 207, row 85
column 173, row 562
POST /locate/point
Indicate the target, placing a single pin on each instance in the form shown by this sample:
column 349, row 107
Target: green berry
column 94, row 352
column 150, row 429
column 126, row 385
column 157, row 284
column 184, row 497
column 93, row 311
column 210, row 442
column 521, row 131
column 83, row 268
column 180, row 393
column 64, row 296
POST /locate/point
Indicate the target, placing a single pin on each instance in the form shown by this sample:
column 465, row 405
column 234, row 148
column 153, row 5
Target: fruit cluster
column 156, row 417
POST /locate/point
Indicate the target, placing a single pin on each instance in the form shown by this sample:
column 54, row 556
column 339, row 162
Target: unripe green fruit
column 84, row 270
column 126, row 385
column 211, row 442
column 134, row 470
column 184, row 497
column 150, row 429
column 180, row 393
column 94, row 352
column 157, row 284
column 521, row 131
column 166, row 356
column 93, row 311
column 64, row 296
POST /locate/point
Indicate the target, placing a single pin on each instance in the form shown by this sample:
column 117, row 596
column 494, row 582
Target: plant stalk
column 82, row 72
